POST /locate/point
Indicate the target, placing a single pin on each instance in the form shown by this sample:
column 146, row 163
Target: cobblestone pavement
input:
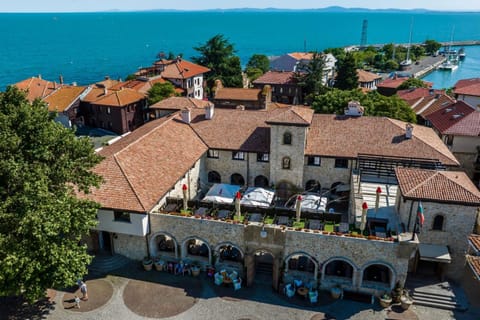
column 159, row 295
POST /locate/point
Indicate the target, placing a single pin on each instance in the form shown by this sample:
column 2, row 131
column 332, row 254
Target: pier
column 463, row 43
column 425, row 66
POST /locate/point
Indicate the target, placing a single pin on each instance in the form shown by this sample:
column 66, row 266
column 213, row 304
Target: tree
column 259, row 61
column 347, row 78
column 312, row 77
column 335, row 101
column 217, row 54
column 160, row 91
column 42, row 165
column 412, row 83
column 432, row 46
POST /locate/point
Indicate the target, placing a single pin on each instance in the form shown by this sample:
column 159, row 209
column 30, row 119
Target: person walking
column 83, row 290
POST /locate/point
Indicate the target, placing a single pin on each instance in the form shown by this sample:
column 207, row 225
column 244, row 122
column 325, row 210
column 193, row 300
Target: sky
column 131, row 5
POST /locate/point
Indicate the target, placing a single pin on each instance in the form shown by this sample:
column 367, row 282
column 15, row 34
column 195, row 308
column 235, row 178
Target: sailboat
column 451, row 62
column 461, row 53
column 407, row 62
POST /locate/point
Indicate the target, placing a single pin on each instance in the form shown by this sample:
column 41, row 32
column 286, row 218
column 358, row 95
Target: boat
column 448, row 65
column 461, row 53
column 407, row 62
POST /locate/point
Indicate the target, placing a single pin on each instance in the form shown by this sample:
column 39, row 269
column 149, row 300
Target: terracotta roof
column 237, row 94
column 37, row 88
column 474, row 240
column 343, row 136
column 392, row 83
column 94, row 94
column 470, row 87
column 365, row 76
column 62, row 99
column 441, row 186
column 107, row 83
column 276, row 77
column 181, row 69
column 474, row 262
column 428, row 105
column 179, row 103
column 120, row 98
column 232, row 129
column 418, row 93
column 448, row 116
column 142, row 167
column 469, row 125
column 301, row 55
column 295, row 115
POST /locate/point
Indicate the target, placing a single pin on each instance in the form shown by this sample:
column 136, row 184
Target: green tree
column 412, row 83
column 259, row 61
column 42, row 164
column 217, row 54
column 347, row 78
column 432, row 46
column 391, row 65
column 312, row 76
column 131, row 77
column 160, row 91
column 335, row 101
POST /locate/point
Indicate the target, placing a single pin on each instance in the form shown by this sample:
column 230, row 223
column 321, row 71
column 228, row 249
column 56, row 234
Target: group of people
column 83, row 289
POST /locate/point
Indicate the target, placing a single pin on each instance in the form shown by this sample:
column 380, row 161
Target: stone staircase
column 105, row 263
column 440, row 295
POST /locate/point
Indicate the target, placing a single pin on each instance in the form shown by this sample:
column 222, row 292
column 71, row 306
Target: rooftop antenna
column 363, row 40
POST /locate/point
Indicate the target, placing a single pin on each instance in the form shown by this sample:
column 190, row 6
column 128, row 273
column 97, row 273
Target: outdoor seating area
column 302, row 290
column 228, row 279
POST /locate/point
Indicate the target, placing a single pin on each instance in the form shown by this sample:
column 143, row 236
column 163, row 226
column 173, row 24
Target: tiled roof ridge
column 433, row 175
column 128, row 181
column 423, row 141
column 295, row 111
column 446, row 175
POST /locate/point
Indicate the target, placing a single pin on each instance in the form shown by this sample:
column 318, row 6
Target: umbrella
column 364, row 217
column 298, row 207
column 185, row 197
column 237, row 204
column 377, row 199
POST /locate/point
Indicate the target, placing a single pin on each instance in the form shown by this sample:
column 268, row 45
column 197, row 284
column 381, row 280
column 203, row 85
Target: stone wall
column 134, row 247
column 326, row 173
column 467, row 161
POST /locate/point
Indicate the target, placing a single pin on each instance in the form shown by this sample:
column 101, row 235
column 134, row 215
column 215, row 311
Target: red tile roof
column 474, row 240
column 107, row 83
column 142, row 167
column 276, row 77
column 417, row 93
column 62, row 99
column 342, row 136
column 301, row 55
column 392, row 83
column 469, row 125
column 469, row 87
column 37, row 88
column 474, row 262
column 448, row 116
column 120, row 98
column 429, row 105
column 365, row 76
column 179, row 103
column 181, row 69
column 295, row 115
column 237, row 94
column 441, row 186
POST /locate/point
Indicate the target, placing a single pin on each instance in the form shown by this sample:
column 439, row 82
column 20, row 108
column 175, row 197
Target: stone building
column 284, row 85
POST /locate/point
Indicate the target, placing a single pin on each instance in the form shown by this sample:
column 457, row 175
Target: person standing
column 83, row 290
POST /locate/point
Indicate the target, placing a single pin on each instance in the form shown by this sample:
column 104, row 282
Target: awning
column 435, row 253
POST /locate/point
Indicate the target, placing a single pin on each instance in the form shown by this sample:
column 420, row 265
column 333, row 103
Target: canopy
column 257, row 197
column 314, row 203
column 221, row 193
column 433, row 252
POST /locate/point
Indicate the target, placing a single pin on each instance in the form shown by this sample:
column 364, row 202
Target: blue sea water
column 85, row 47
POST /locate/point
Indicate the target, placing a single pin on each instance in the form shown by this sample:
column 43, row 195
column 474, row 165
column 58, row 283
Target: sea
column 86, row 47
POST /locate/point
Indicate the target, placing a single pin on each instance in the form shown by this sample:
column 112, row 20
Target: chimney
column 408, row 131
column 354, row 109
column 186, row 116
column 40, row 76
column 105, row 91
column 266, row 95
column 61, row 79
column 209, row 110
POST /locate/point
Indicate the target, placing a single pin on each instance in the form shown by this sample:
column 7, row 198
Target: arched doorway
column 300, row 265
column 313, row 186
column 230, row 256
column 194, row 248
column 237, row 179
column 378, row 275
column 264, row 261
column 284, row 190
column 261, row 182
column 214, row 177
column 338, row 271
column 163, row 244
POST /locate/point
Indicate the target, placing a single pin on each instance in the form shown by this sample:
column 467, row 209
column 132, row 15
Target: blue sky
column 126, row 5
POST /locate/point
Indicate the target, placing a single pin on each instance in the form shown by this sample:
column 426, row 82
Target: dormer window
column 286, row 163
column 287, row 138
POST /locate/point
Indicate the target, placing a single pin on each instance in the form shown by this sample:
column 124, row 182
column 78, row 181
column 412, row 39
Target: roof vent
column 354, row 109
column 456, row 116
column 447, row 110
column 408, row 131
column 186, row 116
column 209, row 110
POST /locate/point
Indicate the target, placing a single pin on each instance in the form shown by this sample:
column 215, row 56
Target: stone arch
column 438, row 222
column 309, row 256
column 219, row 246
column 237, row 179
column 368, row 277
column 261, row 181
column 214, row 177
column 198, row 248
column 341, row 272
column 333, row 187
column 154, row 244
column 313, row 185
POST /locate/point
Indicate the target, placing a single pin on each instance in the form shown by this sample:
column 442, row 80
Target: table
column 302, row 291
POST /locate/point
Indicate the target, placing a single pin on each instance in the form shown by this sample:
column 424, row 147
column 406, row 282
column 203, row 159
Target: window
column 438, row 223
column 287, row 138
column 108, row 110
column 263, row 157
column 238, row 155
column 341, row 163
column 286, row 163
column 449, row 140
column 121, row 216
column 314, row 161
column 212, row 153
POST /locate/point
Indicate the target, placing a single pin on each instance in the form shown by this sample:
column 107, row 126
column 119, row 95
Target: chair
column 289, row 290
column 313, row 296
column 237, row 284
column 218, row 279
column 297, row 283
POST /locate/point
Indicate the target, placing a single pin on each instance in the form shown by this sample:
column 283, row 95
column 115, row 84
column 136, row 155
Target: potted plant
column 159, row 264
column 147, row 263
column 195, row 269
column 406, row 301
column 397, row 292
column 385, row 300
column 336, row 292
